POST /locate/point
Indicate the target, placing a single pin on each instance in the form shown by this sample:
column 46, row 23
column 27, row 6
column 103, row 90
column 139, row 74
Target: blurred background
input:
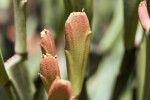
column 108, row 23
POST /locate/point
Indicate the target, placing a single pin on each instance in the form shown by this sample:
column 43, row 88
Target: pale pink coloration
column 49, row 70
column 76, row 26
column 60, row 90
column 143, row 15
column 78, row 23
column 47, row 43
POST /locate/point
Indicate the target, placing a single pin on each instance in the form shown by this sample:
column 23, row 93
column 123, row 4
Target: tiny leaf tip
column 42, row 33
column 45, row 30
column 142, row 3
column 47, row 54
column 82, row 9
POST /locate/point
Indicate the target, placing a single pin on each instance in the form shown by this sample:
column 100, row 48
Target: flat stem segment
column 20, row 25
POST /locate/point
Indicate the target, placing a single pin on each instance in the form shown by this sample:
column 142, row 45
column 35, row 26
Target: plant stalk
column 20, row 25
column 4, row 80
column 8, row 91
column 128, row 63
column 3, row 75
column 146, row 92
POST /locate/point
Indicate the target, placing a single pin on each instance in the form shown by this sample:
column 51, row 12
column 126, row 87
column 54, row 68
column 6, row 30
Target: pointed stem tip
column 143, row 15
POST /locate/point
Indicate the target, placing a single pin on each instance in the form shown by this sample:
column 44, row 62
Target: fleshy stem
column 146, row 92
column 129, row 58
column 20, row 43
column 3, row 75
column 8, row 90
column 4, row 80
column 20, row 25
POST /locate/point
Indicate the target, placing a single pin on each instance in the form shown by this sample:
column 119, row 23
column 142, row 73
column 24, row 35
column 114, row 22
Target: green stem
column 128, row 63
column 130, row 22
column 19, row 76
column 126, row 69
column 8, row 91
column 20, row 25
column 21, row 83
column 9, row 64
column 3, row 75
column 4, row 80
column 140, row 70
column 146, row 93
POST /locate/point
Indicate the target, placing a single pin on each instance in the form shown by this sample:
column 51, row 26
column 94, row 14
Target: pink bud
column 143, row 15
column 60, row 90
column 49, row 70
column 47, row 43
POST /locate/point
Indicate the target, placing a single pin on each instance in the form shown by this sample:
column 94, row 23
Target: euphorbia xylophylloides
column 77, row 44
column 77, row 36
column 49, row 68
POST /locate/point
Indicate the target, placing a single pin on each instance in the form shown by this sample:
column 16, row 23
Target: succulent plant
column 77, row 37
column 118, row 68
